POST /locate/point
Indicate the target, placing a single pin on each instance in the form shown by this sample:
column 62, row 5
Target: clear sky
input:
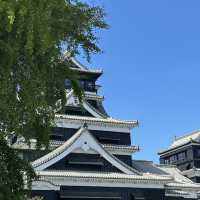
column 151, row 64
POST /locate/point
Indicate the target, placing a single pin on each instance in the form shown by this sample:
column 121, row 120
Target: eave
column 107, row 122
column 113, row 149
column 103, row 179
column 89, row 71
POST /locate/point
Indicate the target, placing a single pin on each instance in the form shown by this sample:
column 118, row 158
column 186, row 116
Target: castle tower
column 91, row 155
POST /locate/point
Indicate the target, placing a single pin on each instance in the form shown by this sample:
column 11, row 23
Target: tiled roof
column 177, row 193
column 92, row 71
column 61, row 178
column 173, row 188
column 98, row 121
column 104, row 175
column 179, row 180
column 83, row 68
column 55, row 143
column 184, row 185
column 183, row 140
column 176, row 173
column 194, row 136
column 148, row 167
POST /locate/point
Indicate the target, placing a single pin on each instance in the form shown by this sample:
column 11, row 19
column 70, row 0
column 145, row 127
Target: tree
column 33, row 36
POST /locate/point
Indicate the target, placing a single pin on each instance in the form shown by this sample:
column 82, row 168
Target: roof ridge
column 187, row 135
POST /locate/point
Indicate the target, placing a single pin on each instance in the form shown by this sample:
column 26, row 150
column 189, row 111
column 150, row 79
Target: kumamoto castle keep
column 90, row 156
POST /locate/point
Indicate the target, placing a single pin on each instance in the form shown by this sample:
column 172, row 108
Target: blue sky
column 151, row 64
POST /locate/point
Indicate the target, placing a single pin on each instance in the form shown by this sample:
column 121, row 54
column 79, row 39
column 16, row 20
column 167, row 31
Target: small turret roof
column 193, row 137
column 80, row 67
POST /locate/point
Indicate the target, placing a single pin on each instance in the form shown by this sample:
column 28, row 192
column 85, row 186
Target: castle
column 90, row 155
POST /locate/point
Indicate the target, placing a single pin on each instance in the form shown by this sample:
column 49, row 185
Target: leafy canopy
column 33, row 36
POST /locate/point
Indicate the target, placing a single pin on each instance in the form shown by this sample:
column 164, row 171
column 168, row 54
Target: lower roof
column 104, row 175
column 21, row 144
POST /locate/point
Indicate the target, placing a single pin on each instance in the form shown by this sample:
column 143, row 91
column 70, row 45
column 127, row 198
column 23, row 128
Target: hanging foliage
column 33, row 36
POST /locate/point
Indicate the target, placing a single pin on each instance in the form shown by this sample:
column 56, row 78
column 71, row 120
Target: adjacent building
column 184, row 152
column 90, row 155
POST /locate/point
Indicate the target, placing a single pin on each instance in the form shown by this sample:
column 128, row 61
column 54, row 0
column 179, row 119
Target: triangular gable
column 73, row 100
column 85, row 140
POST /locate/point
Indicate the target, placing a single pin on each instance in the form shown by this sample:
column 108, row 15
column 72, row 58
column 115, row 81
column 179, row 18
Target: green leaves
column 33, row 36
column 12, row 170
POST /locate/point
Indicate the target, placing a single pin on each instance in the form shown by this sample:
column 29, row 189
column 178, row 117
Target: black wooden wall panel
column 65, row 163
column 124, row 193
column 123, row 138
